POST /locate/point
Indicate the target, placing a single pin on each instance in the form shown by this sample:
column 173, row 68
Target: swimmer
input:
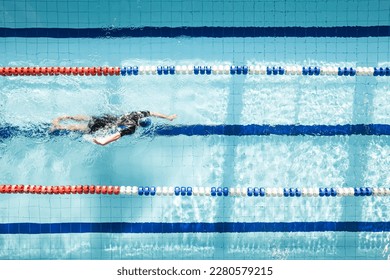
column 125, row 124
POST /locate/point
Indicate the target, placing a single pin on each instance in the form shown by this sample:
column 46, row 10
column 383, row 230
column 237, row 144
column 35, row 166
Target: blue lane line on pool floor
column 283, row 130
column 39, row 131
column 228, row 227
column 199, row 31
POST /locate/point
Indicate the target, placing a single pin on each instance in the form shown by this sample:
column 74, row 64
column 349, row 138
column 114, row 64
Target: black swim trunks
column 126, row 123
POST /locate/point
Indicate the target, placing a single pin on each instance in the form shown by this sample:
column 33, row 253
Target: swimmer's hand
column 106, row 140
column 162, row 116
column 172, row 117
column 97, row 141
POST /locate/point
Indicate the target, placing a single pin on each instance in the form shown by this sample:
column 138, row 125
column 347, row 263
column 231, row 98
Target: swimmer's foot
column 54, row 125
column 56, row 121
column 53, row 128
column 172, row 117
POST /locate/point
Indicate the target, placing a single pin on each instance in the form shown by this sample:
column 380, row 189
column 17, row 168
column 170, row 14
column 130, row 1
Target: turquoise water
column 271, row 161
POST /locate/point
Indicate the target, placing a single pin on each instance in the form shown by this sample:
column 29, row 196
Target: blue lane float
column 225, row 191
column 177, row 191
column 43, row 130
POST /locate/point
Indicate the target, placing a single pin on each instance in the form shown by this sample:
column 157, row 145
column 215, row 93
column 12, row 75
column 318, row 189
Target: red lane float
column 18, row 188
column 38, row 190
column 13, row 189
column 59, row 190
column 56, row 70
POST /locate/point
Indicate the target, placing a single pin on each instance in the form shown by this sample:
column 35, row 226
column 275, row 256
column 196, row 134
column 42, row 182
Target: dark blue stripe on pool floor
column 198, row 31
column 285, row 130
column 228, row 227
column 39, row 131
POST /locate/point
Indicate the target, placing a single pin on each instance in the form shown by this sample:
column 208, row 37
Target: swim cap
column 145, row 122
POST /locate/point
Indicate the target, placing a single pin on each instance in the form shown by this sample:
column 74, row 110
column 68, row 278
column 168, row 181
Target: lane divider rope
column 195, row 70
column 196, row 191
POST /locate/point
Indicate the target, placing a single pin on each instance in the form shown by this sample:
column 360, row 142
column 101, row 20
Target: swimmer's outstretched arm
column 162, row 116
column 106, row 140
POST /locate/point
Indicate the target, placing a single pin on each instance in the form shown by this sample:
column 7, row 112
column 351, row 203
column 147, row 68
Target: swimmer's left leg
column 75, row 127
column 71, row 127
column 78, row 127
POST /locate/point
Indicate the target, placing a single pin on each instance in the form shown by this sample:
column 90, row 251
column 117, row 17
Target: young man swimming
column 124, row 124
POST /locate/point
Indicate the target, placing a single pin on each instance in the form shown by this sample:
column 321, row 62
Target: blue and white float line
column 254, row 191
column 254, row 70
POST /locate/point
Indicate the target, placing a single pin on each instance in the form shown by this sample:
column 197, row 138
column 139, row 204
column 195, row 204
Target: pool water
column 209, row 160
